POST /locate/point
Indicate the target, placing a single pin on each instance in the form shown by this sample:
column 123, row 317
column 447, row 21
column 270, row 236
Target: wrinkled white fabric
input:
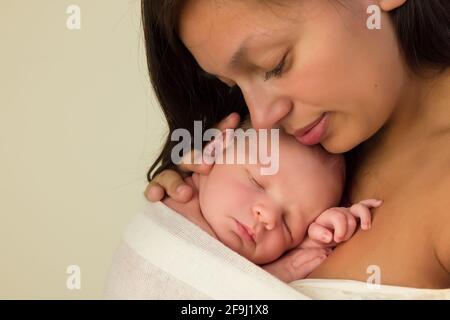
column 164, row 256
column 357, row 290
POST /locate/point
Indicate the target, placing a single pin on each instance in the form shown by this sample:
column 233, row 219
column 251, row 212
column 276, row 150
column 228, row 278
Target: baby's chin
column 254, row 255
column 263, row 259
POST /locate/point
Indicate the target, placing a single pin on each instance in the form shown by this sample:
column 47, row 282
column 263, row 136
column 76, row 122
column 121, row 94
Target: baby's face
column 262, row 216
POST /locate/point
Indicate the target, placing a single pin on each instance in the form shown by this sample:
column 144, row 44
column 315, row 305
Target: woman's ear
column 388, row 5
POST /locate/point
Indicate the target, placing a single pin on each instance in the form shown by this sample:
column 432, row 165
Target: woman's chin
column 335, row 145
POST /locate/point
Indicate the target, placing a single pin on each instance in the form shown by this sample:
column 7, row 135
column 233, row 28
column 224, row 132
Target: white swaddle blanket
column 164, row 256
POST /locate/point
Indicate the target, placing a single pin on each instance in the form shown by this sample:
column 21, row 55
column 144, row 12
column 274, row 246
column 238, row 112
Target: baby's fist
column 338, row 224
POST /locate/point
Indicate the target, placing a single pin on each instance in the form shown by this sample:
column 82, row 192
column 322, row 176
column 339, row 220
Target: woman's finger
column 194, row 161
column 154, row 192
column 172, row 184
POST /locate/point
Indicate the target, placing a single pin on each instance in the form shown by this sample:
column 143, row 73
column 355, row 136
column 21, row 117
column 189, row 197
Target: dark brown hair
column 186, row 94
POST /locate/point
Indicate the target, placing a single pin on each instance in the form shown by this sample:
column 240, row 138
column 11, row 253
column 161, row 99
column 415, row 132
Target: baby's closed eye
column 254, row 181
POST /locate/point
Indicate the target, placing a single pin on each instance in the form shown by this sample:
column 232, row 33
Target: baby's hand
column 297, row 263
column 338, row 224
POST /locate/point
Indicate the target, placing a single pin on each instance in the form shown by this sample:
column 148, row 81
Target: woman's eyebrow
column 238, row 56
column 242, row 52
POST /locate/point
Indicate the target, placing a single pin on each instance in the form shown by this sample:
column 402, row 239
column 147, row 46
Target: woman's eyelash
column 277, row 72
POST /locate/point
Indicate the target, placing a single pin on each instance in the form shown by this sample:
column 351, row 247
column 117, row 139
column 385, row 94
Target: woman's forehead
column 217, row 35
column 210, row 27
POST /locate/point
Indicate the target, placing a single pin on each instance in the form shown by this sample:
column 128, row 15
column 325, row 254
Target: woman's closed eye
column 277, row 71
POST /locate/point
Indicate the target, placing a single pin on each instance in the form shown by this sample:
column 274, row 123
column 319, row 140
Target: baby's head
column 262, row 216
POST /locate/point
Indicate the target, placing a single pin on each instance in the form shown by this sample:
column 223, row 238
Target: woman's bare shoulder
column 440, row 211
column 431, row 206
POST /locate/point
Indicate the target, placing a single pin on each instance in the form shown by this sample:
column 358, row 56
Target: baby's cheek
column 229, row 198
column 270, row 250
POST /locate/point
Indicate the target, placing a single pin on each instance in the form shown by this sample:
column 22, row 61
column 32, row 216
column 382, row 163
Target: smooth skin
column 333, row 64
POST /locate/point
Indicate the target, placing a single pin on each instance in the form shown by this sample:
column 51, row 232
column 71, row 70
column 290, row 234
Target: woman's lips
column 245, row 232
column 314, row 132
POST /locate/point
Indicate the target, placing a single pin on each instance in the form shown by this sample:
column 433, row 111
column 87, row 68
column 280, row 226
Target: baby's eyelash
column 256, row 182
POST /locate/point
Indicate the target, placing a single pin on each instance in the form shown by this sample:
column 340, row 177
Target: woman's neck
column 420, row 118
column 421, row 113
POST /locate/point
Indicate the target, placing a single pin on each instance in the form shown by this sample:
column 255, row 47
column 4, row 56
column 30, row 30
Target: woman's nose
column 266, row 108
column 267, row 216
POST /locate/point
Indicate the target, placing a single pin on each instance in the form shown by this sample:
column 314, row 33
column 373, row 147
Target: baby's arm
column 333, row 226
column 338, row 224
column 297, row 263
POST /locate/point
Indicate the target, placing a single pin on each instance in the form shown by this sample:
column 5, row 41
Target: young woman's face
column 304, row 60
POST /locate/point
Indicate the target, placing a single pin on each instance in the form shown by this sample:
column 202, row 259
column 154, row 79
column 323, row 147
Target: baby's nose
column 266, row 217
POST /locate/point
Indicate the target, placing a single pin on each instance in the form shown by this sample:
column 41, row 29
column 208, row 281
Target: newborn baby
column 261, row 217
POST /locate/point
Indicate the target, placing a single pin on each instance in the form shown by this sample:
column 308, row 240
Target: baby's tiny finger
column 319, row 233
column 363, row 213
column 373, row 203
column 351, row 226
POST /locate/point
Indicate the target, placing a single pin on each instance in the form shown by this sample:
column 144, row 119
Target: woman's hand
column 170, row 182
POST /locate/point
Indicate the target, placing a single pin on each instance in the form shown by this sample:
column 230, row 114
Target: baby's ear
column 218, row 144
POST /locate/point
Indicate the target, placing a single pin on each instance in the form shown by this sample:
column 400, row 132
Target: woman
column 382, row 94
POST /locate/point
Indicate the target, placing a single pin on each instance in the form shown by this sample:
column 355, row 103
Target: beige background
column 78, row 130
